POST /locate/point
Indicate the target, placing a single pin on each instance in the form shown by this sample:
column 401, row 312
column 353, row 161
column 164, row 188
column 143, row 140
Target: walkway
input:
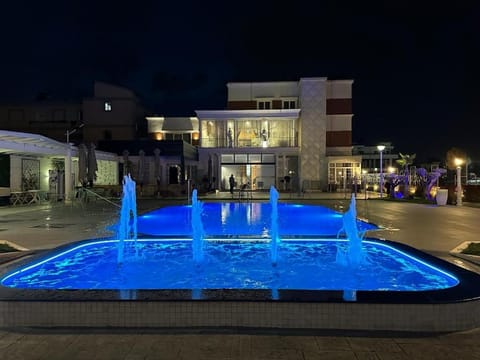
column 435, row 229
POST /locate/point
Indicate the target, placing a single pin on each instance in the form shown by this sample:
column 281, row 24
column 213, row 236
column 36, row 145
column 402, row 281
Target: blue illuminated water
column 274, row 235
column 127, row 228
column 237, row 219
column 197, row 228
column 168, row 264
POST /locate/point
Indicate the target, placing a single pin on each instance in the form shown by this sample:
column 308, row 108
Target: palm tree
column 405, row 162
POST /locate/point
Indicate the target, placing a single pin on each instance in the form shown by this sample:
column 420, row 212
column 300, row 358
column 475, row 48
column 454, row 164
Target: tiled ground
column 132, row 345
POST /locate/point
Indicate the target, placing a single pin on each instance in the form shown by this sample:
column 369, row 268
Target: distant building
column 113, row 113
column 43, row 116
column 371, row 157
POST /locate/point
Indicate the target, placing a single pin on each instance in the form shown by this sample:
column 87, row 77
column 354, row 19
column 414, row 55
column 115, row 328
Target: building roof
column 12, row 142
column 20, row 143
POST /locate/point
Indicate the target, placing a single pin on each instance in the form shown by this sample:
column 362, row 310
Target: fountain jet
column 275, row 239
column 197, row 228
column 353, row 255
column 128, row 227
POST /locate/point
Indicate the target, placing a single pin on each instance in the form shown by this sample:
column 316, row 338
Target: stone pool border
column 454, row 309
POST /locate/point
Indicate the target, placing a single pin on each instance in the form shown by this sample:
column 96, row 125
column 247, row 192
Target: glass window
column 241, row 158
column 268, row 158
column 227, row 158
column 108, row 106
column 255, row 158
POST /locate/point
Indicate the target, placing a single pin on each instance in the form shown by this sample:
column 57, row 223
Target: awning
column 26, row 144
column 12, row 142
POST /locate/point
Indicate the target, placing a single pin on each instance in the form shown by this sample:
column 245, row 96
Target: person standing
column 232, row 183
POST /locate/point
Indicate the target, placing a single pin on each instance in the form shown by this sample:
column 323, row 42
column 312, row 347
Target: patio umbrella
column 141, row 167
column 92, row 165
column 156, row 163
column 82, row 164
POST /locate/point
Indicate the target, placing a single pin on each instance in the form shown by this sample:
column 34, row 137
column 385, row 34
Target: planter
column 442, row 196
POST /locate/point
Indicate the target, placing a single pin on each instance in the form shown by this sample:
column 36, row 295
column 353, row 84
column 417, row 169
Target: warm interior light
column 158, row 136
column 195, row 136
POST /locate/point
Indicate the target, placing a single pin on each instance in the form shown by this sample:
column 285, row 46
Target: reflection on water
column 245, row 219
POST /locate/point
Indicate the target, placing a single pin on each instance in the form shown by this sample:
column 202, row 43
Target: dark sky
column 415, row 67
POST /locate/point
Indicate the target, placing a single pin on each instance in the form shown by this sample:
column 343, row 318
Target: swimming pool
column 243, row 219
column 168, row 264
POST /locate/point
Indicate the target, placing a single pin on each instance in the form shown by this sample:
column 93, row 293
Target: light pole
column 380, row 149
column 458, row 164
column 68, row 163
column 364, row 176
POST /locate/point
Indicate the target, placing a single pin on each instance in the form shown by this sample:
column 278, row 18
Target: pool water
column 168, row 264
column 237, row 219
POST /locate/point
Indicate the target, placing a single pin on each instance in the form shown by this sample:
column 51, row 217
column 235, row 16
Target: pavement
column 428, row 227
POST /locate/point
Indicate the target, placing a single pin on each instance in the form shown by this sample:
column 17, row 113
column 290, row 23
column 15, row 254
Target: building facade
column 295, row 135
column 113, row 113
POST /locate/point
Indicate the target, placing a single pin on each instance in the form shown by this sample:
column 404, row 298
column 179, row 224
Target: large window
column 264, row 105
column 248, row 133
column 344, row 174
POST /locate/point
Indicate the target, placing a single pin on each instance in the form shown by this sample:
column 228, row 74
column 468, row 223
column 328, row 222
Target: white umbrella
column 82, row 164
column 156, row 164
column 92, row 164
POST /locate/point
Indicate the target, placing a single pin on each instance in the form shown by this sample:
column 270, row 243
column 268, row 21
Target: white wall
column 339, row 89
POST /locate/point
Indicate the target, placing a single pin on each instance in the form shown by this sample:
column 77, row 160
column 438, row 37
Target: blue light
column 302, row 264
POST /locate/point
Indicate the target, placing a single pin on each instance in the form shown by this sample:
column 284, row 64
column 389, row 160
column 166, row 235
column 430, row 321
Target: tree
column 405, row 162
column 430, row 179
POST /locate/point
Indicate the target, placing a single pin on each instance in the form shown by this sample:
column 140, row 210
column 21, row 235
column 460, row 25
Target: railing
column 84, row 194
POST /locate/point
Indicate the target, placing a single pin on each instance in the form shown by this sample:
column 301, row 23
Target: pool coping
column 452, row 309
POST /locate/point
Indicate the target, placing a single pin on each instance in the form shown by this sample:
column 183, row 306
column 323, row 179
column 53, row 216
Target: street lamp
column 68, row 163
column 458, row 164
column 380, row 149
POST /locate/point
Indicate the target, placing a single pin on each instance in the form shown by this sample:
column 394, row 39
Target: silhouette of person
column 232, row 183
column 264, row 135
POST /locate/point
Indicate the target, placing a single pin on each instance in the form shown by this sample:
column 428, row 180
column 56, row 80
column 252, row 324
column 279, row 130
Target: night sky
column 415, row 67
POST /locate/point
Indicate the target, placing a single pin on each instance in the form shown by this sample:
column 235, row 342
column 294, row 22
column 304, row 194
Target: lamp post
column 380, row 149
column 458, row 164
column 364, row 176
column 68, row 163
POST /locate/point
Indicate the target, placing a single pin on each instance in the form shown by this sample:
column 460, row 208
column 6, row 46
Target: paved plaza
column 433, row 229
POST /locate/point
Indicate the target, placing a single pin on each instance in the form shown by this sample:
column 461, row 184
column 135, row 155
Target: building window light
column 108, row 106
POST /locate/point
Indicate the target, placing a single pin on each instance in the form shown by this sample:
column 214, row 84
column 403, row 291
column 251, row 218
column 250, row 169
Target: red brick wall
column 242, row 105
column 339, row 138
